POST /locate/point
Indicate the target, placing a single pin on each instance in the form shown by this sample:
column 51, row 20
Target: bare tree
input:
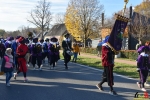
column 140, row 26
column 60, row 18
column 41, row 16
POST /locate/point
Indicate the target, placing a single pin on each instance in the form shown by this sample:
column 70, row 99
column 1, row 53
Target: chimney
column 102, row 19
column 130, row 11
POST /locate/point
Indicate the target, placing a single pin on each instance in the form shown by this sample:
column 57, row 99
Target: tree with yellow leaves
column 143, row 8
column 83, row 18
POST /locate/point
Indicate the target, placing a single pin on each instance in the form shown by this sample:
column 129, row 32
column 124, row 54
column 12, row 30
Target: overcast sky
column 13, row 13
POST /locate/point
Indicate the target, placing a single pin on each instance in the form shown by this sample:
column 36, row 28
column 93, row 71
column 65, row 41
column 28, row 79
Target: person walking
column 108, row 64
column 143, row 66
column 76, row 51
column 99, row 48
column 7, row 65
column 53, row 51
column 14, row 46
column 21, row 52
column 66, row 45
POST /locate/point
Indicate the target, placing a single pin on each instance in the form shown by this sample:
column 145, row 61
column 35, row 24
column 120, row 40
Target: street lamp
column 125, row 4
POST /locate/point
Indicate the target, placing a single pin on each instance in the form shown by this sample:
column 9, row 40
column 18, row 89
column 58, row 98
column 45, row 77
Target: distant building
column 57, row 31
column 95, row 42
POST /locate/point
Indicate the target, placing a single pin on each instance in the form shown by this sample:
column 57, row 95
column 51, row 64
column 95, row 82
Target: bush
column 129, row 54
column 88, row 50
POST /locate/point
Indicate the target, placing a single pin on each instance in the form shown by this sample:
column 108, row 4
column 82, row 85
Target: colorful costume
column 21, row 52
column 143, row 65
column 45, row 50
column 53, row 51
column 66, row 45
column 14, row 46
column 36, row 53
column 108, row 64
column 8, row 43
column 22, row 49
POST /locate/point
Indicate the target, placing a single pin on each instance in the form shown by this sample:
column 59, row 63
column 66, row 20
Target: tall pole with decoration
column 116, row 36
column 125, row 4
column 125, row 40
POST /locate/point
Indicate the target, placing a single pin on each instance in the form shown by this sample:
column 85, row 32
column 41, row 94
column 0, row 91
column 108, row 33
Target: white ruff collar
column 143, row 54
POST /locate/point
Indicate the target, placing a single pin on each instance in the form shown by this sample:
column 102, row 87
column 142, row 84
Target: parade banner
column 116, row 35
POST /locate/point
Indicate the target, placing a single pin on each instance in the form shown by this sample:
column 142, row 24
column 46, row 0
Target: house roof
column 140, row 20
column 58, row 30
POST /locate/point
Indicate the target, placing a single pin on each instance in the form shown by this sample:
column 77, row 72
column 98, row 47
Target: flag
column 116, row 35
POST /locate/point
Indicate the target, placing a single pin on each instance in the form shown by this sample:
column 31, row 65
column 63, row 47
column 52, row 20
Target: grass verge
column 122, row 69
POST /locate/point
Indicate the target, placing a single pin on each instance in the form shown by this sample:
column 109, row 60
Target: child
column 7, row 65
column 76, row 51
column 143, row 66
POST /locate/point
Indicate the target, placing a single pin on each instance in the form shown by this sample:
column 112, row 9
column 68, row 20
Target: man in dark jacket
column 66, row 45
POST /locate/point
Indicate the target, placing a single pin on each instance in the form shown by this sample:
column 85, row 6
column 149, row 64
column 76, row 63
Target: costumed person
column 21, row 52
column 143, row 66
column 76, row 51
column 7, row 65
column 40, row 53
column 45, row 50
column 27, row 57
column 14, row 46
column 30, row 37
column 146, row 83
column 36, row 54
column 8, row 43
column 53, row 51
column 66, row 45
column 108, row 64
column 28, row 43
column 2, row 49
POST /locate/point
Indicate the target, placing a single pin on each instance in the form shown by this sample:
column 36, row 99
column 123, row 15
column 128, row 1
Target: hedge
column 129, row 54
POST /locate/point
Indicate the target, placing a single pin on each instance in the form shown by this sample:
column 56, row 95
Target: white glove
column 137, row 69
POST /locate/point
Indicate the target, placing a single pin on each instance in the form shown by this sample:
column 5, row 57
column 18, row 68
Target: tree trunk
column 84, row 40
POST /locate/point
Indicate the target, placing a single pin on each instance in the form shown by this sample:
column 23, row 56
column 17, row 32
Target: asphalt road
column 76, row 83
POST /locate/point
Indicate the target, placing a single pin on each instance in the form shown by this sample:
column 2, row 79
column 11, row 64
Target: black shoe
column 113, row 93
column 99, row 87
column 66, row 67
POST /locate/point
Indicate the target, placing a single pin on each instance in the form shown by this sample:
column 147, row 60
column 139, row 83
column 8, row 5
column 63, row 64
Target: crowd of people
column 19, row 53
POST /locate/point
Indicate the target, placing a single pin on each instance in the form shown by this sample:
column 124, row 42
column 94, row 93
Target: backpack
column 38, row 48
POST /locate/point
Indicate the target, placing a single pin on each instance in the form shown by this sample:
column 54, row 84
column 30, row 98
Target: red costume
column 22, row 49
column 107, row 56
column 108, row 64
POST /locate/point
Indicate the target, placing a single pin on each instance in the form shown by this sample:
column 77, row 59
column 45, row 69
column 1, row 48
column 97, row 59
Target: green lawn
column 122, row 69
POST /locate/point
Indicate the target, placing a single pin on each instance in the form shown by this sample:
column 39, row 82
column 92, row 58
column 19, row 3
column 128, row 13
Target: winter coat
column 7, row 64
